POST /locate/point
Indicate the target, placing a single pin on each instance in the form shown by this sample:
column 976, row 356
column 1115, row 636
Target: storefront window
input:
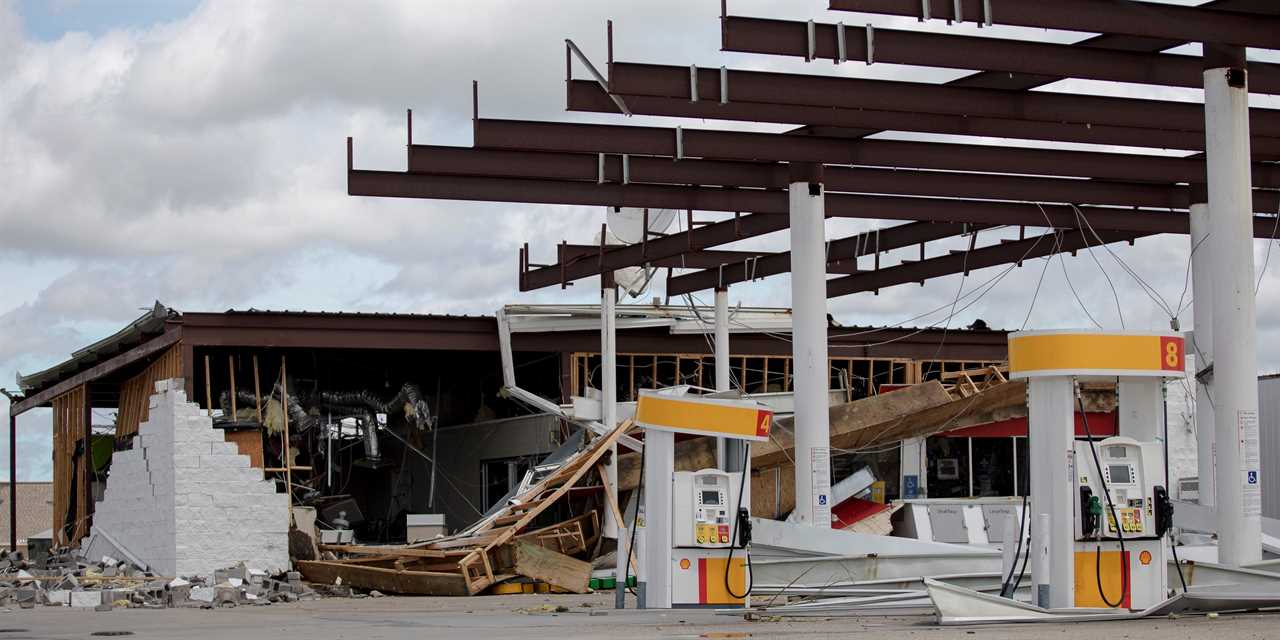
column 993, row 467
column 1021, row 449
column 948, row 467
column 977, row 467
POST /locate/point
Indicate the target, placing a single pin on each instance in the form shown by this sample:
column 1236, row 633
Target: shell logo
column 1144, row 558
column 684, row 562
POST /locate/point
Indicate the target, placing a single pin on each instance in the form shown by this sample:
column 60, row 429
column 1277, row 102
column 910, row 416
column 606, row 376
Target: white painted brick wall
column 186, row 502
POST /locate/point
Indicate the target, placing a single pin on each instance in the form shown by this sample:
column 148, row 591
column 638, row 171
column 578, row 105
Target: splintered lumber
column 999, row 402
column 850, row 417
column 691, row 455
column 386, row 580
column 574, row 469
column 400, row 552
column 915, row 411
column 498, row 548
column 556, row 569
column 569, row 537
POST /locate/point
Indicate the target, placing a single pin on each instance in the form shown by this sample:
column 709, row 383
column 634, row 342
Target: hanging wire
column 1063, row 263
column 1267, row 259
column 1089, row 247
column 1146, row 286
column 1036, row 295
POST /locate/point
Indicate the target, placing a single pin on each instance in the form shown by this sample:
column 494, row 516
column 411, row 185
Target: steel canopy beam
column 962, row 261
column 700, row 259
column 760, row 202
column 588, row 96
column 772, row 206
column 918, row 48
column 844, row 251
column 1025, row 81
column 751, row 146
column 615, row 258
column 828, row 92
column 1127, row 17
column 443, row 160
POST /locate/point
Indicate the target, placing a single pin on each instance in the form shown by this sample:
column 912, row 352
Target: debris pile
column 110, row 584
column 511, row 542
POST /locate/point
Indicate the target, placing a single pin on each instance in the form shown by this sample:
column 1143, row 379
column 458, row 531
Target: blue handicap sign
column 911, row 486
column 1253, row 477
column 822, row 499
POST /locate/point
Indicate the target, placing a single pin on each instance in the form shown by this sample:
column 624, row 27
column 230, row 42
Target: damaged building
column 393, row 426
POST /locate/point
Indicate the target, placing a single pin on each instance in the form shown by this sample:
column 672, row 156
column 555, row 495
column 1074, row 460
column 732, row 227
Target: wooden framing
column 135, row 393
column 70, row 491
column 755, row 373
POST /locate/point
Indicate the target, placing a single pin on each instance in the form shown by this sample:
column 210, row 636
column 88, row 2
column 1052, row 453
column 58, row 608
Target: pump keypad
column 1130, row 520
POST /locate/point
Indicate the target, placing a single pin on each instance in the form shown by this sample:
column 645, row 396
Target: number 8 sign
column 1173, row 356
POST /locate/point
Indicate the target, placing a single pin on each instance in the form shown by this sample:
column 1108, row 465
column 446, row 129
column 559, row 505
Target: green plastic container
column 606, row 584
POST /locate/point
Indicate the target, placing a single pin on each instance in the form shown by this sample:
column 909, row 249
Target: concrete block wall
column 186, row 502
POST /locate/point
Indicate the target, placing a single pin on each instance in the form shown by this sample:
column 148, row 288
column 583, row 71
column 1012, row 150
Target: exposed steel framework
column 1061, row 200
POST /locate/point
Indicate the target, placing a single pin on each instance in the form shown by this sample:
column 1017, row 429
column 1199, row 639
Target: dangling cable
column 1173, row 547
column 631, row 540
column 1008, row 582
column 733, row 531
column 1097, row 563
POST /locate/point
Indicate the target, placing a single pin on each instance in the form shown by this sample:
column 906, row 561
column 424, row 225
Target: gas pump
column 1121, row 518
column 710, row 519
column 1100, row 508
column 697, row 532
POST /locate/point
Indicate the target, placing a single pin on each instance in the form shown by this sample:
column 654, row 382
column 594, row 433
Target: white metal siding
column 1269, row 426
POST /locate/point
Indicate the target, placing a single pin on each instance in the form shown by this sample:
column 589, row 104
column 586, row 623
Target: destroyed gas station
column 754, row 464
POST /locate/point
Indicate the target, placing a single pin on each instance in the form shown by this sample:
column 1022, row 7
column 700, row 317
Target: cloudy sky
column 193, row 153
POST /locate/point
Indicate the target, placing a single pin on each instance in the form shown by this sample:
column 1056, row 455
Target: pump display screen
column 1120, row 474
column 710, row 497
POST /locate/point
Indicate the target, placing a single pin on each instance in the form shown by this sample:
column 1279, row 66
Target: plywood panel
column 553, row 568
column 249, row 442
column 773, row 491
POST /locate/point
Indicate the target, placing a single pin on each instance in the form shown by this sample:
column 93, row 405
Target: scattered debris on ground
column 64, row 580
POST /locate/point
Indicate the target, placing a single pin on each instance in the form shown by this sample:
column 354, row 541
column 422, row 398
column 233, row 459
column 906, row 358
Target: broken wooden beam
column 543, row 564
column 418, row 583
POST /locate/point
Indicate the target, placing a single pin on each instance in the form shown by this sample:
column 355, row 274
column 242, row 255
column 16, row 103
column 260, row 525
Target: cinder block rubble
column 86, row 586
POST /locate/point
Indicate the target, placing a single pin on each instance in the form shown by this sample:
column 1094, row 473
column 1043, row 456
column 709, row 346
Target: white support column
column 1042, row 537
column 809, row 349
column 729, row 451
column 659, row 467
column 1235, row 398
column 723, row 367
column 1201, row 345
column 609, row 417
column 1051, row 418
column 609, row 387
column 1141, row 409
